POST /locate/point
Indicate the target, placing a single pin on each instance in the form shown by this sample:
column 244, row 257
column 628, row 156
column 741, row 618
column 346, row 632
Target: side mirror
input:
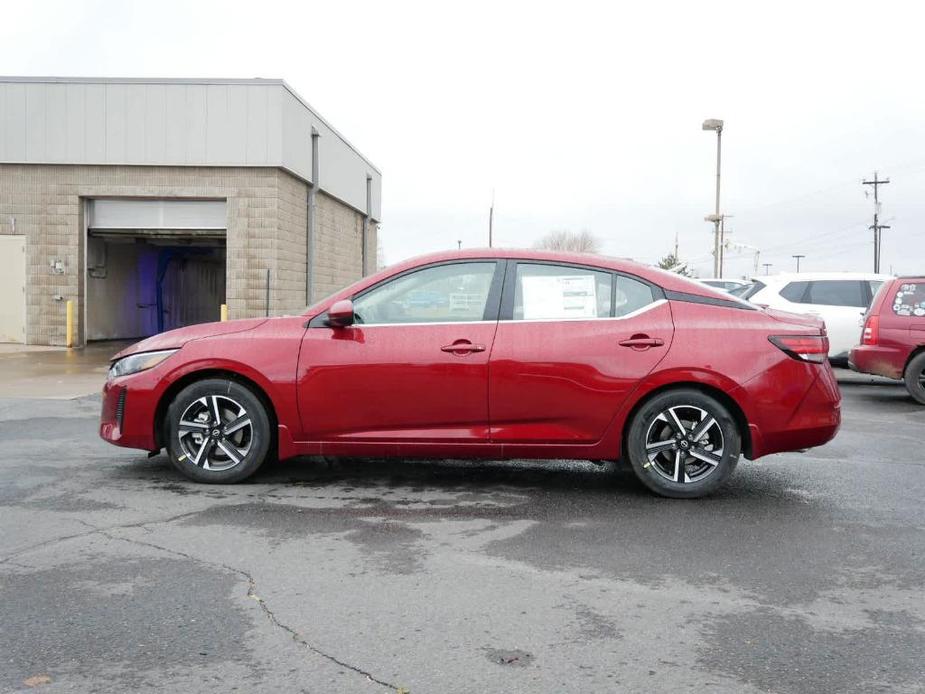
column 340, row 315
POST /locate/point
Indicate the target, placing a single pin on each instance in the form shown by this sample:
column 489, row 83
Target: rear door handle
column 461, row 347
column 642, row 342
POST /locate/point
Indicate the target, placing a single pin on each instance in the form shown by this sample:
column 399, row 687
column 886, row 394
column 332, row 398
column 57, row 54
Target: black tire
column 915, row 378
column 228, row 452
column 655, row 445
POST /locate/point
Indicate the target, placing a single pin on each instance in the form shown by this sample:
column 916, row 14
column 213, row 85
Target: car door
column 413, row 367
column 840, row 303
column 572, row 343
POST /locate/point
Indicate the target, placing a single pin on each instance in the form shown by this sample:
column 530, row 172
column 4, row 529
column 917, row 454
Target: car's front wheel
column 218, row 431
column 915, row 378
column 683, row 444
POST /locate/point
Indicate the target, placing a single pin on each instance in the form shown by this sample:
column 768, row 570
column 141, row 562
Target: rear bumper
column 878, row 360
column 814, row 421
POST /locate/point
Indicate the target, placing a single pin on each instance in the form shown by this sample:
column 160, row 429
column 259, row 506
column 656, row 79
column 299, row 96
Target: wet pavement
column 55, row 372
column 804, row 574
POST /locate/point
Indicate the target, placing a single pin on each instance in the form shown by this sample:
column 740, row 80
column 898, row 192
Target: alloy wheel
column 684, row 444
column 215, row 433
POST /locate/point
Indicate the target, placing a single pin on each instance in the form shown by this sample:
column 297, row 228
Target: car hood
column 174, row 339
column 795, row 318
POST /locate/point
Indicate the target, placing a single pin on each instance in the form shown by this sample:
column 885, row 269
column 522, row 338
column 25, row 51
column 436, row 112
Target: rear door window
column 910, row 298
column 558, row 292
column 837, row 293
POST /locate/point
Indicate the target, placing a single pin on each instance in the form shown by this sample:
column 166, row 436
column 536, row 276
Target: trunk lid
column 797, row 319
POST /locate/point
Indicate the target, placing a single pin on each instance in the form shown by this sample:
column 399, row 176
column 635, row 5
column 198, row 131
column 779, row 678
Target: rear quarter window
column 909, row 299
column 794, row 291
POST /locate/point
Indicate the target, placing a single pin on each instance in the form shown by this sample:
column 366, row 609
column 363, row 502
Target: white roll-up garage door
column 129, row 214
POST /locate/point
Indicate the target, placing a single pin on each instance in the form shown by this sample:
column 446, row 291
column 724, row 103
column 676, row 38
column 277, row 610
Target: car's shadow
column 883, row 392
column 367, row 478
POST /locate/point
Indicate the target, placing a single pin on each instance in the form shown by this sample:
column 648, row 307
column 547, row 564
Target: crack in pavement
column 251, row 585
column 64, row 538
column 270, row 615
column 122, row 526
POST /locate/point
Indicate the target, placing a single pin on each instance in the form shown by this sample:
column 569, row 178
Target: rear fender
column 676, row 378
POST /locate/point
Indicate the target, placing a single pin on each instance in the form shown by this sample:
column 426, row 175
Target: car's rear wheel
column 218, row 431
column 915, row 378
column 683, row 444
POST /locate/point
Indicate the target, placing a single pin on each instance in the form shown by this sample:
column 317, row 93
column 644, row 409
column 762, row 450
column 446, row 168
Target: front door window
column 451, row 293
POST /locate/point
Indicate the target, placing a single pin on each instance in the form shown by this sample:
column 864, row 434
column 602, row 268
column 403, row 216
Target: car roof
column 663, row 278
column 785, row 277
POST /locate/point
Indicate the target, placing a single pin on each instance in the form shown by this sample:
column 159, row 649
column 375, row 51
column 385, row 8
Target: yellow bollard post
column 69, row 324
column 224, row 312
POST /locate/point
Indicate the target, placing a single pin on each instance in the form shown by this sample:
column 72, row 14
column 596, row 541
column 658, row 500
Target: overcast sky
column 578, row 116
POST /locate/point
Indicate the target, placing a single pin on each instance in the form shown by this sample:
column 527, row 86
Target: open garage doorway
column 153, row 265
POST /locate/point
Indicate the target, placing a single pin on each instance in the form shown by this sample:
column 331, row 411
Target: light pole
column 767, row 266
column 717, row 125
column 798, row 260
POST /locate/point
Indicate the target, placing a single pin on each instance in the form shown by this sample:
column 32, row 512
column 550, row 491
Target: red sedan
column 487, row 354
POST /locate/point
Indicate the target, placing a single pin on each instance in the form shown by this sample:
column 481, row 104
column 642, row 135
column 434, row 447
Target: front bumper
column 127, row 415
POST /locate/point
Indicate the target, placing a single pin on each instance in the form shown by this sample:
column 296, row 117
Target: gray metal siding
column 178, row 122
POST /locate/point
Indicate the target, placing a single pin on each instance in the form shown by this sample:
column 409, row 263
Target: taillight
column 871, row 334
column 814, row 348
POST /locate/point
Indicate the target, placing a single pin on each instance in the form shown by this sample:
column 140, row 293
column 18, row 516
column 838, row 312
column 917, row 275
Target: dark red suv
column 893, row 340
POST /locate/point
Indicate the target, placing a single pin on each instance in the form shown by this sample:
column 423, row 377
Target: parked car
column 893, row 338
column 563, row 356
column 727, row 285
column 838, row 298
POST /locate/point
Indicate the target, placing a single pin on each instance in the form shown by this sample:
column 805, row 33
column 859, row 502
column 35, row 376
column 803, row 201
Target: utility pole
column 767, row 266
column 676, row 245
column 876, row 226
column 717, row 125
column 722, row 244
column 491, row 215
column 798, row 260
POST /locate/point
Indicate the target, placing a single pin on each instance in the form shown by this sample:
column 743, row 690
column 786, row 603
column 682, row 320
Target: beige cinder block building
column 149, row 203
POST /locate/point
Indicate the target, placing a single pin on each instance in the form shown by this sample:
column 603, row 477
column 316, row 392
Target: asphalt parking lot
column 805, row 574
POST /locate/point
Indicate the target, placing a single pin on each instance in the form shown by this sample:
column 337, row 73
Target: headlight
column 138, row 362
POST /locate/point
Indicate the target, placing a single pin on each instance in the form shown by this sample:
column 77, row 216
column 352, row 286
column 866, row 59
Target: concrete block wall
column 267, row 215
column 338, row 246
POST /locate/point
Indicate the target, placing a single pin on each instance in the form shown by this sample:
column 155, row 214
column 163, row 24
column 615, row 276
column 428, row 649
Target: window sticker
column 559, row 296
column 910, row 300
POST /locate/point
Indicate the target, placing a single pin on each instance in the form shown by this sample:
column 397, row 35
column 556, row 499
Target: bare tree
column 579, row 242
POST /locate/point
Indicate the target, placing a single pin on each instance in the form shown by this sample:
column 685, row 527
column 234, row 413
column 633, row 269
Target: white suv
column 839, row 298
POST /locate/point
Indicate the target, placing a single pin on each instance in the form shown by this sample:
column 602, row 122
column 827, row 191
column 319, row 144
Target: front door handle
column 641, row 342
column 461, row 347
